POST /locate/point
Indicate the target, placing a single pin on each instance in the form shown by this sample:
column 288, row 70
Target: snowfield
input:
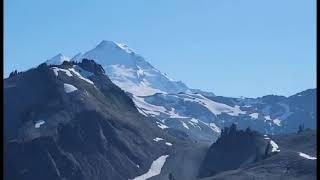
column 76, row 70
column 254, row 115
column 147, row 108
column 307, row 156
column 214, row 127
column 162, row 126
column 277, row 122
column 39, row 123
column 155, row 168
column 267, row 118
column 194, row 120
column 157, row 139
column 79, row 75
column 185, row 125
column 130, row 71
column 56, row 70
column 275, row 147
column 68, row 88
column 215, row 107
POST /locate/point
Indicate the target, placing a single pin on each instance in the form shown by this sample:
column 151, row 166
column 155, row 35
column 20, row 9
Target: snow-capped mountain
column 130, row 71
column 197, row 113
column 57, row 60
column 268, row 114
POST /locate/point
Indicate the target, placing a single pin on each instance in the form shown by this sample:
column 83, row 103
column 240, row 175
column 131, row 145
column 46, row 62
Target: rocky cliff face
column 233, row 149
column 70, row 121
column 249, row 155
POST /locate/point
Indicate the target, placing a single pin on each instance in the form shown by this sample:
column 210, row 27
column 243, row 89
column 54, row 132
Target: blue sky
column 229, row 47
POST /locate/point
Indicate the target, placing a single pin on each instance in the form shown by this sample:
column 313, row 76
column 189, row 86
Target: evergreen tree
column 267, row 150
column 171, row 176
column 13, row 73
column 248, row 130
column 233, row 129
column 300, row 128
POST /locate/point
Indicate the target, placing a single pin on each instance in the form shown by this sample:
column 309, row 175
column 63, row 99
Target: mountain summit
column 57, row 59
column 130, row 71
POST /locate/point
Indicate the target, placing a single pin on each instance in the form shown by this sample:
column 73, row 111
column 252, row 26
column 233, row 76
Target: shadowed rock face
column 92, row 132
column 233, row 149
column 285, row 164
column 91, row 66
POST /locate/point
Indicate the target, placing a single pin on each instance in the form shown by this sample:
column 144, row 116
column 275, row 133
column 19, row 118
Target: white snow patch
column 214, row 127
column 307, row 156
column 140, row 72
column 125, row 47
column 129, row 79
column 185, row 125
column 194, row 124
column 215, row 107
column 275, row 147
column 267, row 117
column 173, row 114
column 80, row 76
column 39, row 123
column 56, row 70
column 155, row 168
column 194, row 120
column 157, row 139
column 147, row 108
column 168, row 144
column 142, row 89
column 68, row 88
column 254, row 115
column 162, row 126
column 277, row 122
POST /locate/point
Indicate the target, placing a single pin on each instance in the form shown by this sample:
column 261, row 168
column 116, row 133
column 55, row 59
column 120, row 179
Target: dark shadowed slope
column 71, row 122
column 293, row 156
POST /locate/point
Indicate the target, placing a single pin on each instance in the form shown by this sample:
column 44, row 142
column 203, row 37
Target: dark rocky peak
column 14, row 73
column 62, row 121
column 234, row 149
column 92, row 66
column 85, row 64
column 67, row 64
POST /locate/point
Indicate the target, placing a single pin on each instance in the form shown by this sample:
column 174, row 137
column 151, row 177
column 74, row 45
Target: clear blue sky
column 230, row 47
